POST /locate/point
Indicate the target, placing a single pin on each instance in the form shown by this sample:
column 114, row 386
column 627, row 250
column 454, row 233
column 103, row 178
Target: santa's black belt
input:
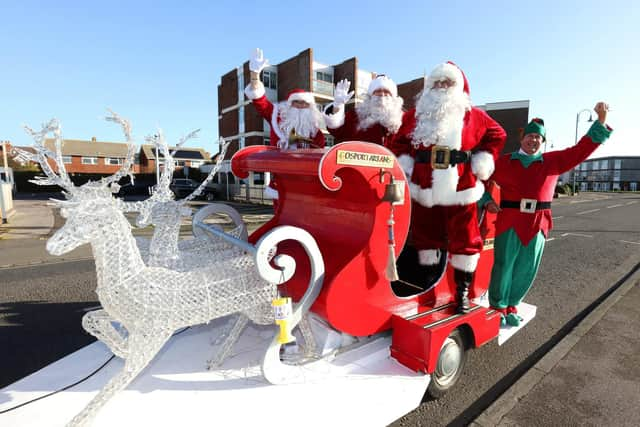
column 442, row 157
column 526, row 205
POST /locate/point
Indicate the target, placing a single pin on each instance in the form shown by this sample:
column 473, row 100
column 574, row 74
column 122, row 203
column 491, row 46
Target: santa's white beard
column 439, row 118
column 305, row 121
column 386, row 110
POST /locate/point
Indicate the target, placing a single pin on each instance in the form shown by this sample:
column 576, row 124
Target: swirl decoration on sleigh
column 144, row 303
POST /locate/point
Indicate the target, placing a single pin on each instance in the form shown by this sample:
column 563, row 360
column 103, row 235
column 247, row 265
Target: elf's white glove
column 341, row 94
column 257, row 61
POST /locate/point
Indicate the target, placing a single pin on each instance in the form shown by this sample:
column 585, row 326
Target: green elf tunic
column 523, row 225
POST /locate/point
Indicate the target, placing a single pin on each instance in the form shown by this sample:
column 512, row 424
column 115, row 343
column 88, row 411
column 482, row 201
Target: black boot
column 428, row 275
column 463, row 280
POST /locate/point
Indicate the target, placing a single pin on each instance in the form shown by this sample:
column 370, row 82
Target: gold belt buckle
column 440, row 157
column 528, row 205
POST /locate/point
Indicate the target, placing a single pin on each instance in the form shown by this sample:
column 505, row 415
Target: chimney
column 93, row 139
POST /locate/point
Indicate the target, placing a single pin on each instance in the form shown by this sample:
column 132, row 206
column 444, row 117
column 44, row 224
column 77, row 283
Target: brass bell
column 393, row 191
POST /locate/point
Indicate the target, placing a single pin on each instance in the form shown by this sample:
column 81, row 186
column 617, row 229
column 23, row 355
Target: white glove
column 257, row 61
column 340, row 94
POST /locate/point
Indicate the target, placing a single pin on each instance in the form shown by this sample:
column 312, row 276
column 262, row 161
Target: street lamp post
column 576, row 141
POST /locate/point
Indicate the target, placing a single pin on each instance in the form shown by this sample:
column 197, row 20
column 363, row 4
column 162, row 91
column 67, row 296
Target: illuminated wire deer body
column 165, row 248
column 152, row 302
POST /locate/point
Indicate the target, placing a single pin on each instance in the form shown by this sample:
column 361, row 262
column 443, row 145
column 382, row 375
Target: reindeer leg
column 98, row 323
column 227, row 345
column 307, row 334
column 142, row 349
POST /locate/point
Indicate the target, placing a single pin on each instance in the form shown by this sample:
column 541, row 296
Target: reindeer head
column 88, row 208
column 89, row 211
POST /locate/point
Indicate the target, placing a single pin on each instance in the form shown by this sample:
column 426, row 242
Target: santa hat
column 448, row 70
column 536, row 126
column 300, row 95
column 382, row 82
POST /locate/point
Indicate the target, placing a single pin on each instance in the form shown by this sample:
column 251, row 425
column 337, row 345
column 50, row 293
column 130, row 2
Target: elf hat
column 536, row 126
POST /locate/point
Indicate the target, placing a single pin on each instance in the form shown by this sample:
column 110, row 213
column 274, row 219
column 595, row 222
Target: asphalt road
column 596, row 241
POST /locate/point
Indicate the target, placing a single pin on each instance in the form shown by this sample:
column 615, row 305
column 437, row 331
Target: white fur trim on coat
column 283, row 141
column 301, row 96
column 482, row 165
column 335, row 120
column 270, row 193
column 428, row 256
column 426, row 196
column 254, row 93
column 383, row 82
column 446, row 71
column 406, row 162
column 466, row 263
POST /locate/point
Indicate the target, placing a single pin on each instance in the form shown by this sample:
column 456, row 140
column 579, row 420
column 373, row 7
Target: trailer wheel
column 451, row 361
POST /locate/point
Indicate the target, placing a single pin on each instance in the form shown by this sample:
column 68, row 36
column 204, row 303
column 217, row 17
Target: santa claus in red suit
column 295, row 123
column 379, row 119
column 454, row 147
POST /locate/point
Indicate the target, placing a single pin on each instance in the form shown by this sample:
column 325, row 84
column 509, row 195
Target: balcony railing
column 322, row 87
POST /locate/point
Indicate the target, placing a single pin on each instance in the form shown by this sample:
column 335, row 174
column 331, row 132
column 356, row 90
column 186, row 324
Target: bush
column 564, row 189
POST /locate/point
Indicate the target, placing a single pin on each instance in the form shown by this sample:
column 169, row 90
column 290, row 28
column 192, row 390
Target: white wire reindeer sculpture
column 165, row 248
column 153, row 302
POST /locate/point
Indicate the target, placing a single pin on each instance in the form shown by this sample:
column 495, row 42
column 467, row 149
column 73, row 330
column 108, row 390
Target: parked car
column 182, row 187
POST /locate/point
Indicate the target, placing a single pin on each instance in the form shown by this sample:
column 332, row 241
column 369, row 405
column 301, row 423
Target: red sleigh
column 337, row 196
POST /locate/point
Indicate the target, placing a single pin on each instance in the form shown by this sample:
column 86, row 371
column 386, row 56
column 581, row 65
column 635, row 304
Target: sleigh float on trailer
column 372, row 337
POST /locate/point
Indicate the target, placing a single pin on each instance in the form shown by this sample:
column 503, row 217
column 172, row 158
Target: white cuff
column 482, row 165
column 406, row 162
column 335, row 120
column 254, row 93
column 428, row 256
column 466, row 263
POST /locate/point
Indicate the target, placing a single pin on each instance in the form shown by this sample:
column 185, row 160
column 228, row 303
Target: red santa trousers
column 454, row 228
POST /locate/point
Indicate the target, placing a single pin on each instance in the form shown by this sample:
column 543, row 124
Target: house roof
column 75, row 147
column 184, row 153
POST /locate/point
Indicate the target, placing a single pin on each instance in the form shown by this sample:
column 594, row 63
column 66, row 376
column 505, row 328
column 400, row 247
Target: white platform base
column 526, row 311
column 364, row 386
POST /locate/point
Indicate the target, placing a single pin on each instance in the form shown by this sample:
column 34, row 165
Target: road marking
column 575, row 234
column 550, row 239
column 633, row 243
column 613, row 206
column 631, row 203
column 589, row 211
column 556, row 217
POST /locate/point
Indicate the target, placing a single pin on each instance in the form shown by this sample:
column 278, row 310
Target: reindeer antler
column 223, row 150
column 43, row 154
column 131, row 151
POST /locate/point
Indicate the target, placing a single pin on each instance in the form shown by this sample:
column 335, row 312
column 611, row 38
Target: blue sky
column 158, row 63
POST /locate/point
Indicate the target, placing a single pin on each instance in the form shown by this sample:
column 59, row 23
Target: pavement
column 590, row 377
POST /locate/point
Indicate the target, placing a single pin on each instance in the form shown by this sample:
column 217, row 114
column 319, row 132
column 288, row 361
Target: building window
column 633, row 186
column 113, row 161
column 324, row 77
column 604, row 164
column 617, row 164
column 258, row 178
column 66, row 160
column 270, row 79
column 89, row 160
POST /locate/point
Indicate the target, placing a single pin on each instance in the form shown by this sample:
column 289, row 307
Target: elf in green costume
column 527, row 180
